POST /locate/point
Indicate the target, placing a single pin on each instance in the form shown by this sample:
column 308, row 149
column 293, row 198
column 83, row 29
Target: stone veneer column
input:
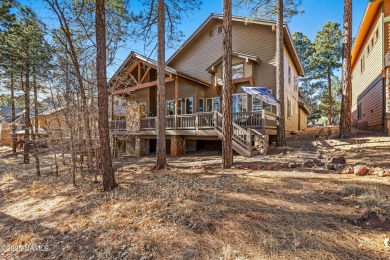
column 178, row 145
column 139, row 147
column 134, row 113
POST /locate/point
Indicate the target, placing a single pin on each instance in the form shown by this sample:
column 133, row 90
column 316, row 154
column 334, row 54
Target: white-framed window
column 239, row 102
column 213, row 104
column 376, row 34
column 289, row 74
column 238, row 71
column 189, row 105
column 257, row 104
column 170, row 108
column 201, row 105
column 289, row 112
column 219, row 29
column 211, row 33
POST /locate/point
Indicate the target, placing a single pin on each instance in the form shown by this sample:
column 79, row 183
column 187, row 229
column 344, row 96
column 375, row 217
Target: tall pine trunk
column 227, row 127
column 13, row 114
column 330, row 99
column 36, row 126
column 106, row 169
column 280, row 72
column 346, row 106
column 161, row 159
column 27, row 122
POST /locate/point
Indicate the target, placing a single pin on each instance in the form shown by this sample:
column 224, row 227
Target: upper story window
column 219, row 29
column 238, row 71
column 289, row 111
column 211, row 33
column 376, row 34
column 362, row 64
column 289, row 73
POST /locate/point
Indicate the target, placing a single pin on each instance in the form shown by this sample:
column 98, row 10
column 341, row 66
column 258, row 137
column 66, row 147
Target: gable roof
column 8, row 110
column 152, row 63
column 234, row 54
column 369, row 16
column 214, row 17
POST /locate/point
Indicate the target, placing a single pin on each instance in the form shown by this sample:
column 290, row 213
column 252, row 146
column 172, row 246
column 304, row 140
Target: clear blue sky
column 316, row 14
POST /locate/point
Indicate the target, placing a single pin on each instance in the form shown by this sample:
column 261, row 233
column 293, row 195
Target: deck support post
column 176, row 99
column 249, row 140
column 178, row 145
column 263, row 122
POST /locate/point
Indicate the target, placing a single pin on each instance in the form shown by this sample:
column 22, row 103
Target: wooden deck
column 249, row 129
column 201, row 123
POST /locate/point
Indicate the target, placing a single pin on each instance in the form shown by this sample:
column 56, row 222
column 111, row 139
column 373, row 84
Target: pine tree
column 161, row 144
column 326, row 58
column 106, row 169
column 345, row 120
column 227, row 127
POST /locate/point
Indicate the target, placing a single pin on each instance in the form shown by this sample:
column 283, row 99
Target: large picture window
column 189, row 105
column 256, row 104
column 239, row 103
column 201, row 105
column 170, row 108
column 213, row 104
column 238, row 71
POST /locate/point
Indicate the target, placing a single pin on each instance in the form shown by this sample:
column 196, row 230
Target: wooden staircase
column 247, row 142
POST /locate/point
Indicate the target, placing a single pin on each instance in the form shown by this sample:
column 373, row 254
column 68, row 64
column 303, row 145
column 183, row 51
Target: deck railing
column 118, row 125
column 260, row 120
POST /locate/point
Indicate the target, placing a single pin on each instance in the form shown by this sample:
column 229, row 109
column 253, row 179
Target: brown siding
column 302, row 120
column 387, row 7
column 386, row 28
column 291, row 94
column 373, row 63
column 371, row 107
column 251, row 39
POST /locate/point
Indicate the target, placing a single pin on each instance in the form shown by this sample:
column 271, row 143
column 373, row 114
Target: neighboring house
column 368, row 68
column 194, row 86
column 303, row 114
column 6, row 112
column 51, row 119
column 6, row 124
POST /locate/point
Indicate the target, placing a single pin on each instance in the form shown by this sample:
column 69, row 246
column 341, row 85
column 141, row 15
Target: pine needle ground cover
column 195, row 210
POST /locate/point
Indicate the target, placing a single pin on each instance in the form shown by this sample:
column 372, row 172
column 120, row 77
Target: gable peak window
column 211, row 33
column 238, row 71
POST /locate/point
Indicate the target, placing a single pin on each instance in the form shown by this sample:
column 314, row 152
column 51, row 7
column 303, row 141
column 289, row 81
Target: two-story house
column 368, row 68
column 194, row 86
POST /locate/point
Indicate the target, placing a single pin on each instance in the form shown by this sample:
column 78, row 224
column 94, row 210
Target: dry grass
column 194, row 211
column 194, row 214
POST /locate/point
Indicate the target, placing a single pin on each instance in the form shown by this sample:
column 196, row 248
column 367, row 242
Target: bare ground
column 195, row 210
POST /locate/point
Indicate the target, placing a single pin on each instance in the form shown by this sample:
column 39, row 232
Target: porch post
column 263, row 121
column 249, row 140
column 176, row 99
